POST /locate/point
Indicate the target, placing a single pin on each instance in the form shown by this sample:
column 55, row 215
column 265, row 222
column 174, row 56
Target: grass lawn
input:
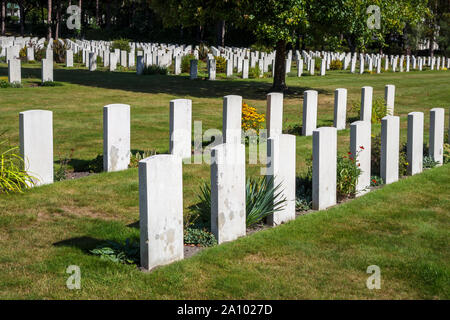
column 403, row 228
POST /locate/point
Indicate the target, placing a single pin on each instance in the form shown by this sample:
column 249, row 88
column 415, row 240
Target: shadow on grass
column 172, row 85
column 84, row 243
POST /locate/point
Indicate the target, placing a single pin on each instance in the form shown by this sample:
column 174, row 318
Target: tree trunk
column 3, row 17
column 96, row 13
column 220, row 33
column 22, row 18
column 58, row 20
column 279, row 79
column 108, row 14
column 49, row 20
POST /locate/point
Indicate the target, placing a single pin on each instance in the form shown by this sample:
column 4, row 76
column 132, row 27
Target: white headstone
column 160, row 210
column 274, row 114
column 340, row 108
column 281, row 155
column 228, row 199
column 309, row 112
column 360, row 147
column 437, row 119
column 390, row 131
column 324, row 168
column 232, row 119
column 181, row 127
column 116, row 137
column 389, row 98
column 366, row 104
column 36, row 144
column 415, row 142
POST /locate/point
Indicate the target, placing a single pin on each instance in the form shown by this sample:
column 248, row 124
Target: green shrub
column 186, row 63
column 347, row 174
column 317, row 63
column 61, row 172
column 121, row 44
column 59, row 51
column 336, row 65
column 199, row 237
column 446, row 153
column 376, row 181
column 15, row 84
column 23, row 54
column 376, row 157
column 221, row 64
column 154, row 69
column 128, row 252
column 260, row 195
column 138, row 156
column 51, row 84
column 254, row 73
column 39, row 54
column 303, row 190
column 13, row 178
column 428, row 162
column 96, row 165
column 4, row 84
column 379, row 109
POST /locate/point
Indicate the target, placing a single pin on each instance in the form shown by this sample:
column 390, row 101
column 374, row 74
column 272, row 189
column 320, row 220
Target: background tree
column 3, row 17
column 274, row 23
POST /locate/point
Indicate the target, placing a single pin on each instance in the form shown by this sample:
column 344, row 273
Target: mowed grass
column 403, row 228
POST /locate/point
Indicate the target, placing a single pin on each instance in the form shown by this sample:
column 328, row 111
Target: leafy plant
column 251, row 119
column 199, row 237
column 303, row 190
column 376, row 181
column 121, row 44
column 262, row 199
column 446, row 154
column 336, row 65
column 138, row 156
column 13, row 177
column 203, row 52
column 347, row 174
column 379, row 109
column 96, row 164
column 61, row 173
column 59, row 51
column 155, row 69
column 254, row 72
column 428, row 162
column 186, row 63
column 221, row 64
column 128, row 252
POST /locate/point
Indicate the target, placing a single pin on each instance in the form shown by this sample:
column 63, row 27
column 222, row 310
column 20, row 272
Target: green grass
column 403, row 228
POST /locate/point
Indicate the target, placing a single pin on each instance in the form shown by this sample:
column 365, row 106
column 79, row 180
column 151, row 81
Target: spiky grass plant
column 263, row 198
column 13, row 178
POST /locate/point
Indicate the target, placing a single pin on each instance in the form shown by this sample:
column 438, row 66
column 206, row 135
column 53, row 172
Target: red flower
column 374, row 181
column 349, row 153
column 361, row 147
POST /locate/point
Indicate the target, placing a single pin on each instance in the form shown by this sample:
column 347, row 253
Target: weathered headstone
column 116, row 137
column 324, row 168
column 14, row 71
column 228, row 198
column 309, row 112
column 366, row 104
column 360, row 148
column 92, row 61
column 160, row 210
column 232, row 119
column 415, row 142
column 193, row 69
column 47, row 70
column 437, row 118
column 274, row 114
column 340, row 108
column 69, row 59
column 390, row 131
column 281, row 155
column 389, row 98
column 181, row 127
column 36, row 144
column 212, row 69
